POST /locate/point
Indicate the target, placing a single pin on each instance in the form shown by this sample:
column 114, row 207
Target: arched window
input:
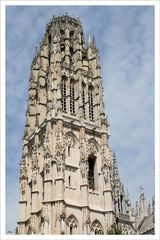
column 96, row 228
column 83, row 99
column 72, row 97
column 90, row 101
column 63, row 92
column 72, row 224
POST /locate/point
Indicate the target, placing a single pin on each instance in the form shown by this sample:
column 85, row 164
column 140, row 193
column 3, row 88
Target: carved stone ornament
column 60, row 148
column 60, row 162
column 47, row 158
column 82, row 136
column 23, row 170
column 25, row 150
column 45, row 215
column 83, row 162
column 42, row 81
column 86, row 216
column 32, row 96
column 84, row 169
column 31, row 226
column 69, row 141
column 92, row 148
column 107, row 172
column 60, row 211
column 23, row 183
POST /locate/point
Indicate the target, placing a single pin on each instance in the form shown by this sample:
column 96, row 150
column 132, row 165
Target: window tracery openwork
column 96, row 228
column 83, row 100
column 63, row 92
column 90, row 102
column 72, row 224
column 72, row 96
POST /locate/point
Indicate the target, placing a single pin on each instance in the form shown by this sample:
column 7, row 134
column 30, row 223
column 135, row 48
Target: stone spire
column 142, row 206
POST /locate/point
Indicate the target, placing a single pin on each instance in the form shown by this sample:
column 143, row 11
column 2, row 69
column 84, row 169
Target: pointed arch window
column 72, row 96
column 96, row 228
column 90, row 101
column 63, row 93
column 72, row 224
column 83, row 99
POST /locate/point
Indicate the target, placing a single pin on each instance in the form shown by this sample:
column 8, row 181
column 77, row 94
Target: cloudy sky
column 125, row 38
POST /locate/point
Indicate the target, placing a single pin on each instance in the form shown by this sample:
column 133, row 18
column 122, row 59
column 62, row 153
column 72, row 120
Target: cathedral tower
column 66, row 171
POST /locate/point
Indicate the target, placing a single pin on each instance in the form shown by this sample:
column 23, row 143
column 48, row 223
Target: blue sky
column 125, row 38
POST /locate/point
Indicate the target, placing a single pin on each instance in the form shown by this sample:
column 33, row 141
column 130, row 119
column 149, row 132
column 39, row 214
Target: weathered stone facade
column 67, row 179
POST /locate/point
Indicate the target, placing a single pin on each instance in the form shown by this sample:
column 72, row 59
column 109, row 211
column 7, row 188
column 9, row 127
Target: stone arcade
column 69, row 181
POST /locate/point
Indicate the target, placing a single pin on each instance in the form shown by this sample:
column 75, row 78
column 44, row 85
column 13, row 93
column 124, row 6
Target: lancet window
column 63, row 93
column 49, row 53
column 83, row 99
column 90, row 101
column 72, row 96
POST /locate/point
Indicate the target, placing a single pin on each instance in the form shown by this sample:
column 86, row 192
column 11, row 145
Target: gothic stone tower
column 66, row 167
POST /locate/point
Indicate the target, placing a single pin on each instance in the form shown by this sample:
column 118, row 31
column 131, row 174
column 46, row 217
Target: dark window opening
column 98, row 232
column 62, row 32
column 84, row 57
column 71, row 229
column 62, row 48
column 71, row 33
column 69, row 151
column 69, row 180
column 71, row 50
column 49, row 39
column 91, row 165
column 121, row 198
